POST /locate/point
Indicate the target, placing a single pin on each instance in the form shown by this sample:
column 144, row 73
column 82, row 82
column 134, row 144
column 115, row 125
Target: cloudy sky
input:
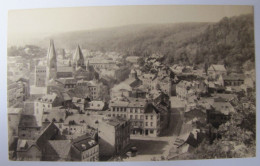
column 35, row 23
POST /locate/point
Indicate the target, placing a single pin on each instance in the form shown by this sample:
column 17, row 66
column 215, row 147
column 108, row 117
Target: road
column 155, row 147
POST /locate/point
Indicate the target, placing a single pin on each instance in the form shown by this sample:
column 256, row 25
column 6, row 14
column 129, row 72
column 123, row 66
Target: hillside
column 229, row 41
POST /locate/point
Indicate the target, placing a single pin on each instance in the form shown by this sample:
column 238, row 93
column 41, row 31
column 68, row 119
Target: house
column 35, row 149
column 216, row 70
column 85, row 148
column 220, row 113
column 114, row 136
column 44, row 103
column 233, row 80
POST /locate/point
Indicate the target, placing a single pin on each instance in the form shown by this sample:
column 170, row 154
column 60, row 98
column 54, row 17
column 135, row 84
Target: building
column 114, row 136
column 126, row 87
column 144, row 117
column 17, row 91
column 233, row 80
column 96, row 106
column 52, row 70
column 37, row 149
column 216, row 70
column 28, row 127
column 85, row 148
column 42, row 104
column 56, row 115
column 220, row 113
column 40, row 76
column 102, row 63
column 78, row 59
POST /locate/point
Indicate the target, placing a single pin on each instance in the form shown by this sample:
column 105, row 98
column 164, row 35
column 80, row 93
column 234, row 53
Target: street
column 150, row 148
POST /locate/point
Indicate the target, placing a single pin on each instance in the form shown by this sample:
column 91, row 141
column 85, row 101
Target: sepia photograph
column 131, row 83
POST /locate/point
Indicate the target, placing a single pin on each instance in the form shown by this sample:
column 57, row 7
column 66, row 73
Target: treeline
column 229, row 41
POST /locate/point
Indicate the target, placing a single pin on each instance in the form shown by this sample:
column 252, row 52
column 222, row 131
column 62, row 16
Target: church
column 77, row 69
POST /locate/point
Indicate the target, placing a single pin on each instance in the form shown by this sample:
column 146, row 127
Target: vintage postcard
column 131, row 83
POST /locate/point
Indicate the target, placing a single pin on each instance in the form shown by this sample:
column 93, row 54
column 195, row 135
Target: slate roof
column 61, row 147
column 84, row 143
column 55, row 113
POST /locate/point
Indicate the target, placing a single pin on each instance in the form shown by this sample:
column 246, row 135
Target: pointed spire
column 51, row 55
column 78, row 56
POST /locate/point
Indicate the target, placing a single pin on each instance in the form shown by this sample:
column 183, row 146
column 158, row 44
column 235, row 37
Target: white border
column 28, row 4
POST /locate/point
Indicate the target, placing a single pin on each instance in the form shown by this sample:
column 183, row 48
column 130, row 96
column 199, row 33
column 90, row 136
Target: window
column 146, row 117
column 146, row 123
column 151, row 117
column 151, row 131
column 151, row 123
column 136, row 116
column 141, row 117
column 131, row 116
column 131, row 110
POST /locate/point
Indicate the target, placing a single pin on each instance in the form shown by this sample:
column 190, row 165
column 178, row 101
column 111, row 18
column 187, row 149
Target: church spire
column 78, row 59
column 51, row 55
column 51, row 62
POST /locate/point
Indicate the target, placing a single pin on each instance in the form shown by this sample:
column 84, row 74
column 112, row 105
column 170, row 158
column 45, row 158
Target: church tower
column 51, row 71
column 78, row 59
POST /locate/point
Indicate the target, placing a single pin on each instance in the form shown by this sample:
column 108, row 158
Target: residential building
column 114, row 136
column 216, row 70
column 42, row 104
column 144, row 117
column 85, row 148
column 233, row 80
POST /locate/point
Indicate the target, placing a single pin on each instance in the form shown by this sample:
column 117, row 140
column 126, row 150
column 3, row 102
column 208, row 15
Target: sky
column 37, row 23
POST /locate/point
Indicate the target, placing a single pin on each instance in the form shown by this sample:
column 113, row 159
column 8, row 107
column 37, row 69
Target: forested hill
column 229, row 41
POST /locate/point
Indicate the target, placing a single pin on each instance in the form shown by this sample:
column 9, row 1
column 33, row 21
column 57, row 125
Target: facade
column 114, row 136
column 144, row 117
column 42, row 104
column 233, row 80
column 216, row 70
column 40, row 76
column 17, row 91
